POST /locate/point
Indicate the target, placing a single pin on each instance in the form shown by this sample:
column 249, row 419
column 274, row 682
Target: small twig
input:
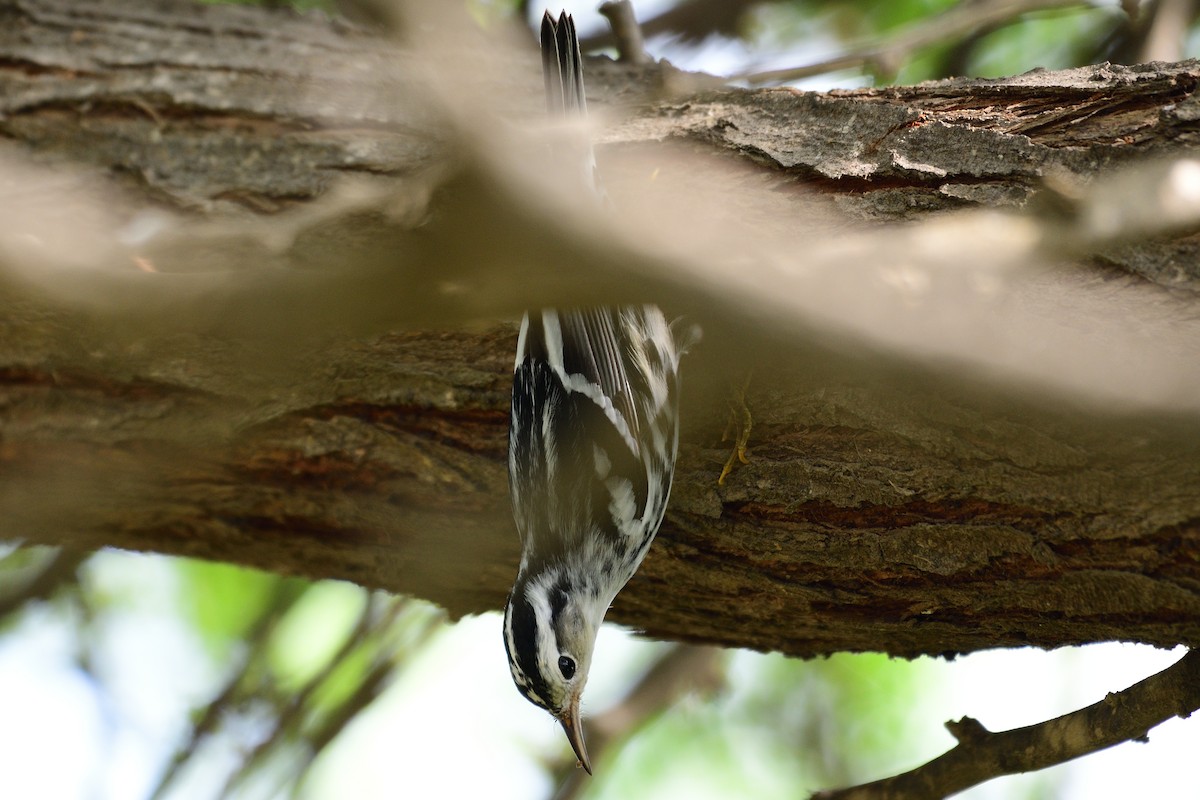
column 631, row 47
column 887, row 54
column 981, row 755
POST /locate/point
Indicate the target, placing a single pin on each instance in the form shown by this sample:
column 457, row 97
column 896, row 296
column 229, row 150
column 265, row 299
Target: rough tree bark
column 294, row 415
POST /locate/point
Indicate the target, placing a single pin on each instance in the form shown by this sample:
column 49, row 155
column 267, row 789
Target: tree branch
column 981, row 755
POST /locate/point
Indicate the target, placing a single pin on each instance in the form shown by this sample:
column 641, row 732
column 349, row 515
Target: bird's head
column 549, row 633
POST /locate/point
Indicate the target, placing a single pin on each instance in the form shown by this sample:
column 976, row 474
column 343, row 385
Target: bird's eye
column 566, row 665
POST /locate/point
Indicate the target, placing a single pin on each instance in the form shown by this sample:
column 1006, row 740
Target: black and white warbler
column 591, row 453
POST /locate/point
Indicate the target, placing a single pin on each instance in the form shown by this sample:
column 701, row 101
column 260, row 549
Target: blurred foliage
column 280, row 666
column 1056, row 39
column 1051, row 38
column 1060, row 34
column 783, row 23
column 289, row 662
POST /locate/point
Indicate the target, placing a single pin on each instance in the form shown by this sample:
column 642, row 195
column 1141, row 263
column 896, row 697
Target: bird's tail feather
column 562, row 65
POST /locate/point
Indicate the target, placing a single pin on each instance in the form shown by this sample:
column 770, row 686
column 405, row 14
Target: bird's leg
column 738, row 428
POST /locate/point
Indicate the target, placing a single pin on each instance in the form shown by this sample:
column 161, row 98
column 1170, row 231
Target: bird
column 592, row 445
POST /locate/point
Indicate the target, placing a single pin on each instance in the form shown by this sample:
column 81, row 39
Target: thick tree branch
column 960, row 440
column 981, row 755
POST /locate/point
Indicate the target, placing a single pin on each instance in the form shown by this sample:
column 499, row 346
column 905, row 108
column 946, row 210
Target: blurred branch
column 631, row 48
column 292, row 709
column 887, row 55
column 981, row 755
column 1167, row 29
column 249, row 657
column 690, row 20
column 1154, row 30
column 300, row 724
column 297, row 720
column 386, row 664
column 60, row 569
column 681, row 670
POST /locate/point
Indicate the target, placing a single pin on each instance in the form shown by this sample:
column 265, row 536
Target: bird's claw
column 738, row 428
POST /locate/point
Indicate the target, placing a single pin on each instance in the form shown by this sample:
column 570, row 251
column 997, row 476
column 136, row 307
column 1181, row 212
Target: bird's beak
column 574, row 730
